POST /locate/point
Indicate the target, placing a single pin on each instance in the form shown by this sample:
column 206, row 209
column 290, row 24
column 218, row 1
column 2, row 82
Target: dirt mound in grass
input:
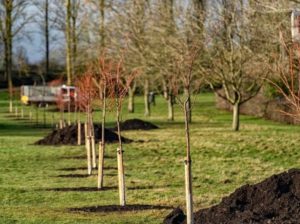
column 136, row 124
column 275, row 200
column 68, row 136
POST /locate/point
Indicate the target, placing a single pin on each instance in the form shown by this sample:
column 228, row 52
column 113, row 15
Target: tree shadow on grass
column 94, row 189
column 85, row 168
column 118, row 208
column 85, row 175
column 75, row 175
column 146, row 187
column 84, row 157
column 80, row 189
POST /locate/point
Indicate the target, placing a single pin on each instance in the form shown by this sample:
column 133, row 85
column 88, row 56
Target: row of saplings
column 274, row 200
column 107, row 82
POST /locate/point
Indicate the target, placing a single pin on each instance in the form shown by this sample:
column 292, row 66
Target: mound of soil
column 275, row 200
column 136, row 124
column 68, row 136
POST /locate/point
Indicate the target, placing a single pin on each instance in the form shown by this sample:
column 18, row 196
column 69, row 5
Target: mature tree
column 133, row 26
column 237, row 61
column 13, row 18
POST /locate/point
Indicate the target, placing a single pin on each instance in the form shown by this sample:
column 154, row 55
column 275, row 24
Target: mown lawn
column 222, row 161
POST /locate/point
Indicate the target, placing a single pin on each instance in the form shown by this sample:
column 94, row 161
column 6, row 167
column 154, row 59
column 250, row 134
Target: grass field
column 222, row 161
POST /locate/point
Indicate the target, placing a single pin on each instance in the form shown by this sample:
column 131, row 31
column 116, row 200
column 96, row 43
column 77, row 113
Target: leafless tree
column 237, row 62
column 13, row 18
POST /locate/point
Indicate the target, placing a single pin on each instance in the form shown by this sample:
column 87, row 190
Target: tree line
column 232, row 46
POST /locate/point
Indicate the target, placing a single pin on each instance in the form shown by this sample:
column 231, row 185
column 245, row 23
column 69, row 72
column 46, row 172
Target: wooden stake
column 78, row 133
column 88, row 148
column 93, row 151
column 188, row 191
column 88, row 154
column 100, row 165
column 30, row 115
column 61, row 124
column 22, row 113
column 121, row 177
column 16, row 111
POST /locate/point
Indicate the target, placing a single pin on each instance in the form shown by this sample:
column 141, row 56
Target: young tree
column 85, row 94
column 103, row 81
column 186, row 63
column 119, row 87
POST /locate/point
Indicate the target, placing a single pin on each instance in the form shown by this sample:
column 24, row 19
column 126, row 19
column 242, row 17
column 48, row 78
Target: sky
column 32, row 41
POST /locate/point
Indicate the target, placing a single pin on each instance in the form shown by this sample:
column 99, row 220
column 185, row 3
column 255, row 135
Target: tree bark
column 131, row 100
column 236, row 117
column 171, row 107
column 47, row 42
column 165, row 89
column 146, row 98
column 68, row 42
column 73, row 37
column 189, row 104
column 102, row 22
column 8, row 50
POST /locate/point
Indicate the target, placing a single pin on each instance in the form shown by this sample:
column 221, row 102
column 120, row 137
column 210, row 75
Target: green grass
column 222, row 161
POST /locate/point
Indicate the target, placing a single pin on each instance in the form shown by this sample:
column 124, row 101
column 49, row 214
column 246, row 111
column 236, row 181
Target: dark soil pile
column 275, row 200
column 136, row 124
column 175, row 217
column 68, row 136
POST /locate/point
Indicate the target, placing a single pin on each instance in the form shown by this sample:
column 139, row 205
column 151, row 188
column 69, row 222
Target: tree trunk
column 8, row 50
column 68, row 42
column 102, row 143
column 171, row 107
column 47, row 45
column 102, row 22
column 189, row 104
column 69, row 111
column 74, row 37
column 188, row 167
column 130, row 100
column 236, row 117
column 61, row 120
column 165, row 89
column 146, row 98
